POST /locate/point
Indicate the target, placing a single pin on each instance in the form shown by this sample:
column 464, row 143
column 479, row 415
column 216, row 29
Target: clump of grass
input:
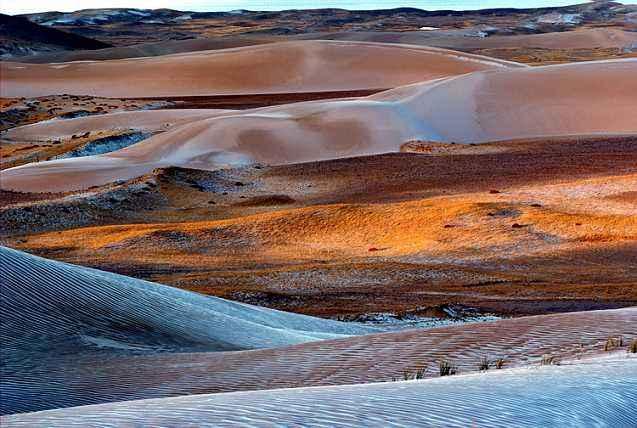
column 484, row 364
column 580, row 350
column 613, row 343
column 418, row 374
column 446, row 368
column 549, row 360
column 499, row 363
column 632, row 348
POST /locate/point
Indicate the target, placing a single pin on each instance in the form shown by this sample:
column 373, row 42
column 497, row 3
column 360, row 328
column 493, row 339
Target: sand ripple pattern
column 600, row 393
column 152, row 341
column 52, row 311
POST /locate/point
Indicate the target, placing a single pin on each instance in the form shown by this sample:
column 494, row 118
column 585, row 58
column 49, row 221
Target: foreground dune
column 215, row 324
column 60, row 322
column 306, row 66
column 51, row 310
column 597, row 392
column 583, row 98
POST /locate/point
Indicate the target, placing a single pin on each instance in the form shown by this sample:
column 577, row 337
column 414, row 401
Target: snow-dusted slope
column 75, row 336
column 601, row 393
column 54, row 309
column 54, row 315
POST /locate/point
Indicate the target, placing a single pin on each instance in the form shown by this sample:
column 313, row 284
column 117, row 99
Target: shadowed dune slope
column 19, row 36
column 51, row 309
column 597, row 392
column 305, row 66
column 60, row 322
column 148, row 49
column 575, row 99
column 73, row 380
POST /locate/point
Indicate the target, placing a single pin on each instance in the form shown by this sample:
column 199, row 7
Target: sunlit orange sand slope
column 582, row 98
column 305, row 66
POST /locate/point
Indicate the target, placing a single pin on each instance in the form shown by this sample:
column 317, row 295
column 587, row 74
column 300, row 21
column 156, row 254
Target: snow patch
column 388, row 321
column 106, row 145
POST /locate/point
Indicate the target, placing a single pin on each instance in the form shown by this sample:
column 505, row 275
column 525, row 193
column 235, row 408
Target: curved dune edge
column 304, row 66
column 589, row 392
column 573, row 99
column 52, row 309
column 578, row 39
column 141, row 120
column 152, row 341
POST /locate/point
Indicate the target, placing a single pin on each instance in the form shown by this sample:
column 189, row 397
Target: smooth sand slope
column 62, row 322
column 589, row 393
column 583, row 98
column 305, row 66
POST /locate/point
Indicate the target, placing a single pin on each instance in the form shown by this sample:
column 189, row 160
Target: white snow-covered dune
column 61, row 309
column 52, row 310
column 510, row 103
column 75, row 336
column 600, row 393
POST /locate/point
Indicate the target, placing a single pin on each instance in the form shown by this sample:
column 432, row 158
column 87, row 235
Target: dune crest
column 304, row 66
column 574, row 99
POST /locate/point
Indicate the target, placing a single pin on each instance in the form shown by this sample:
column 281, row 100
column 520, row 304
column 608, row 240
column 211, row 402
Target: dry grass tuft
column 613, row 343
column 446, row 368
column 418, row 374
column 484, row 364
column 550, row 360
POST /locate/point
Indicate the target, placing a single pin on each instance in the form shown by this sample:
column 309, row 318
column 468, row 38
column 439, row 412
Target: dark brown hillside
column 19, row 36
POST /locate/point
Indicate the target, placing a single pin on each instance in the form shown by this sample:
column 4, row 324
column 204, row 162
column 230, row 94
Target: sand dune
column 588, row 38
column 142, row 120
column 91, row 337
column 287, row 224
column 583, row 98
column 52, row 311
column 74, row 336
column 456, row 39
column 60, row 322
column 60, row 298
column 306, row 66
column 597, row 392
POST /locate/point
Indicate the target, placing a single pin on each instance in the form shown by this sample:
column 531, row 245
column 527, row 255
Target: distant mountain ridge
column 125, row 27
column 19, row 36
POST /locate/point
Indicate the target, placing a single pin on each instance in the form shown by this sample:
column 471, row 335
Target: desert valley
column 319, row 217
